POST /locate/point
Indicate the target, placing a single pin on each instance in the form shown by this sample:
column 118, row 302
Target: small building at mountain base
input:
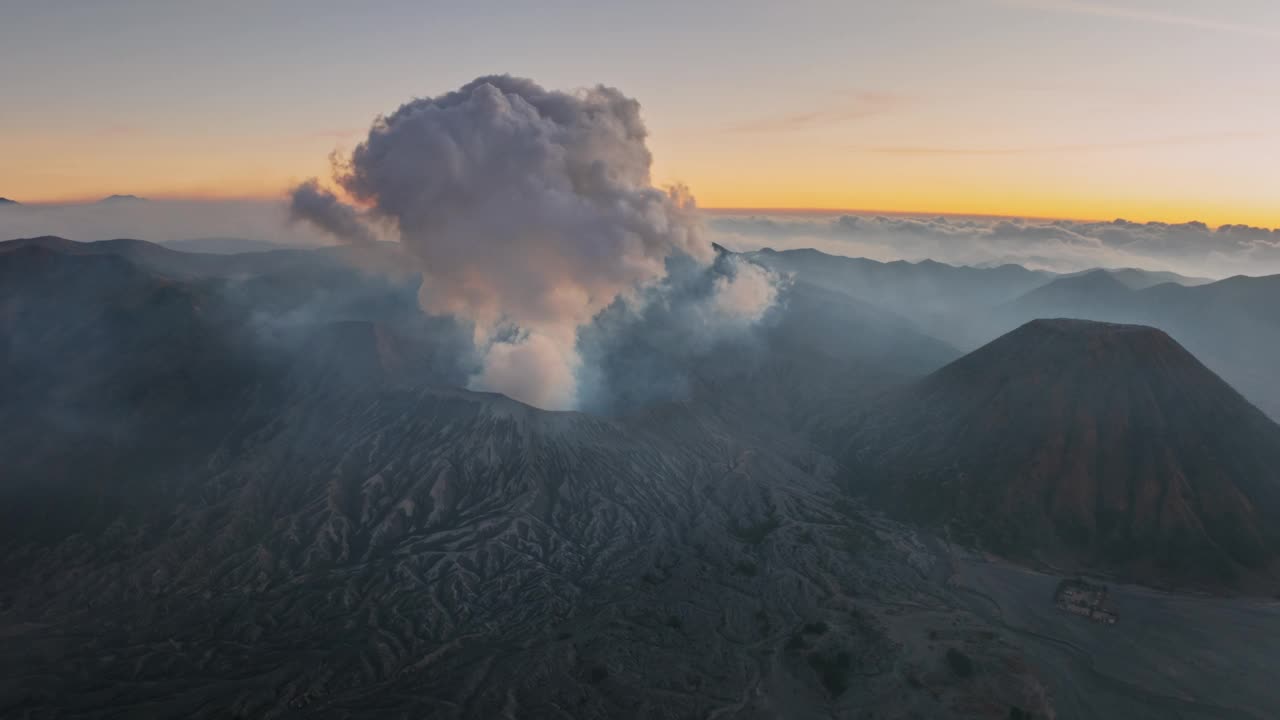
column 1086, row 599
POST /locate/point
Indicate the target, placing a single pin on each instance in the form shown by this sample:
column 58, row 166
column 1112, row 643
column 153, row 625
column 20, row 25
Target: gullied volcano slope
column 434, row 553
column 1082, row 443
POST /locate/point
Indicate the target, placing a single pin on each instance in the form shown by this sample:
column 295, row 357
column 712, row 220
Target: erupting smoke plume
column 321, row 208
column 529, row 212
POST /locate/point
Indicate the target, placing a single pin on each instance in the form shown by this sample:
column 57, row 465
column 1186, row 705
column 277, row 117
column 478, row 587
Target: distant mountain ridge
column 1139, row 279
column 386, row 256
column 946, row 301
column 225, row 245
column 1089, row 293
column 1230, row 324
column 928, row 283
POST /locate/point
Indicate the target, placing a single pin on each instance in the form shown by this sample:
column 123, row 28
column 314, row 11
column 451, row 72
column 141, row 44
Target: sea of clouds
column 1190, row 248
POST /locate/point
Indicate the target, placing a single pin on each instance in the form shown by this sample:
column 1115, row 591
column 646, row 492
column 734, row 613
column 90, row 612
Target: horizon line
column 725, row 210
column 714, row 210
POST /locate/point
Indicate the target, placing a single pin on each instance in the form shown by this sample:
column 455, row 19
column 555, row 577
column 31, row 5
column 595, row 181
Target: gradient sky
column 1144, row 109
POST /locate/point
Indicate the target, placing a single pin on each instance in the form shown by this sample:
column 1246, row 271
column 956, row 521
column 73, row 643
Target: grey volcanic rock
column 452, row 554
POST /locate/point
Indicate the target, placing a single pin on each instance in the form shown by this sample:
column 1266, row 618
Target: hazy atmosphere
column 699, row 360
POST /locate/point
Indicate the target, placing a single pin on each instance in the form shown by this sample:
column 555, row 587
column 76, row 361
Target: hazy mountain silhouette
column 815, row 355
column 962, row 305
column 224, row 245
column 1139, row 279
column 183, row 264
column 1230, row 324
column 147, row 254
column 1097, row 290
column 925, row 292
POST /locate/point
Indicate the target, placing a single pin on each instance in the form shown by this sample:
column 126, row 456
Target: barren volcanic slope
column 1084, row 444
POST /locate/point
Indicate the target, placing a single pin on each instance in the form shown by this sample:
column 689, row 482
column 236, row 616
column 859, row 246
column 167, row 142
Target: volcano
column 1082, row 444
column 268, row 494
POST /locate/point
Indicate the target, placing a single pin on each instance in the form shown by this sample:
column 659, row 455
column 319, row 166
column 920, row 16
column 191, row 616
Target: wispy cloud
column 1175, row 140
column 859, row 106
column 1148, row 16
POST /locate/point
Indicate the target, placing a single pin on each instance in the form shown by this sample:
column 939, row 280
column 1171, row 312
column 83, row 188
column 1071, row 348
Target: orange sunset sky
column 1042, row 108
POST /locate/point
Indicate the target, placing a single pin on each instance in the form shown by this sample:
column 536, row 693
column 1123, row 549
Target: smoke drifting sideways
column 645, row 350
column 529, row 212
column 322, row 208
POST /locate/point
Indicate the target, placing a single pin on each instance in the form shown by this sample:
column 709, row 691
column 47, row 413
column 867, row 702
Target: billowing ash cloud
column 1190, row 248
column 311, row 203
column 529, row 212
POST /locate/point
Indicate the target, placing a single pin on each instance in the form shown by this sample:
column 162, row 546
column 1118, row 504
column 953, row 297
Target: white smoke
column 538, row 368
column 743, row 297
column 529, row 212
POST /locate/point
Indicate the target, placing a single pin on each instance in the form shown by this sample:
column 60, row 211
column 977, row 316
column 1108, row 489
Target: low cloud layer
column 529, row 211
column 1061, row 245
column 160, row 221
